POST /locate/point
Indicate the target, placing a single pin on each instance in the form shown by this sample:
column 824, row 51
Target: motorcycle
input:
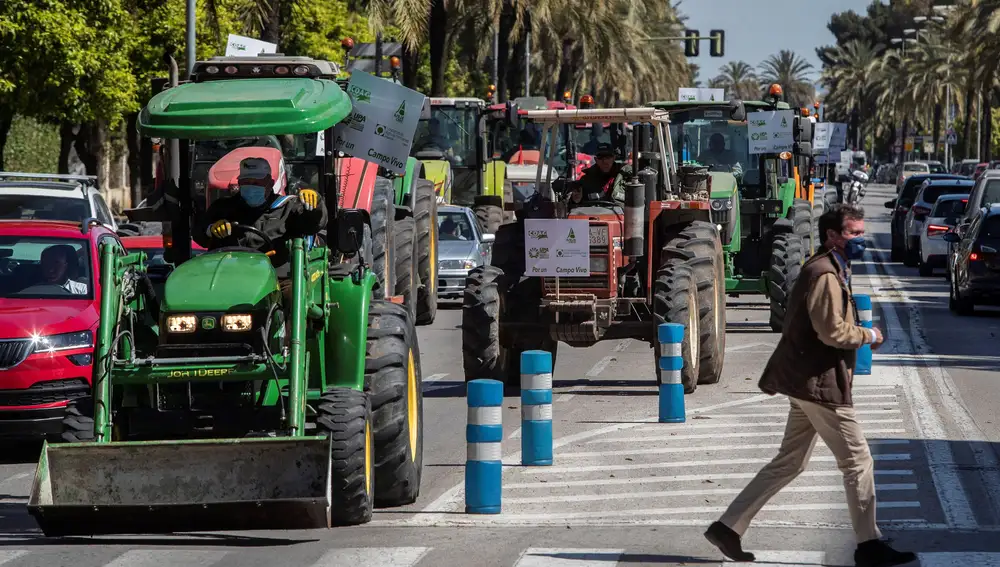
column 856, row 191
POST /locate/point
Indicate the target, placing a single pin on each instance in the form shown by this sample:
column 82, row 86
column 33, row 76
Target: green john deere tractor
column 220, row 401
column 402, row 207
column 763, row 209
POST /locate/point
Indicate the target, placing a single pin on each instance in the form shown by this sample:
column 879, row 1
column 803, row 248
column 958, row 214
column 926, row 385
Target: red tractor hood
column 22, row 318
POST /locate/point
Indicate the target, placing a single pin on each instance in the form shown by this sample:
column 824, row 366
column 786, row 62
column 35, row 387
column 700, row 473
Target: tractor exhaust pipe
column 635, row 219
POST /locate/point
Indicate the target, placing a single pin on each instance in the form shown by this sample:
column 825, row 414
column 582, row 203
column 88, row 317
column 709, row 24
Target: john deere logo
column 400, row 112
column 208, row 323
column 571, row 237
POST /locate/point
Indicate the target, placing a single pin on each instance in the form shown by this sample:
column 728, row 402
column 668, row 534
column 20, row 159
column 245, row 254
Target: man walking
column 813, row 365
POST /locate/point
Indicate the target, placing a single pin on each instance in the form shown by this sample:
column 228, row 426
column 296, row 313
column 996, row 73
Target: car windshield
column 722, row 145
column 450, row 130
column 931, row 193
column 936, row 168
column 948, row 207
column 915, row 167
column 454, row 226
column 37, row 207
column 45, row 268
column 911, row 187
column 991, row 193
column 967, row 168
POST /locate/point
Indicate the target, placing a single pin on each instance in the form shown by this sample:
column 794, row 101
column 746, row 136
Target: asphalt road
column 625, row 490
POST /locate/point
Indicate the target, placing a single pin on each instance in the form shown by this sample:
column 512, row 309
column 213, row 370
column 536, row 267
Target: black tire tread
column 406, row 263
column 78, row 421
column 482, row 355
column 425, row 218
column 674, row 294
column 341, row 415
column 490, row 217
column 391, row 337
column 786, row 262
column 382, row 214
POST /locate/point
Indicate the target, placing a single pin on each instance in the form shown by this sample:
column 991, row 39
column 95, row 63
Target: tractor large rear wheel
column 698, row 245
column 675, row 300
column 393, row 378
column 786, row 262
column 406, row 264
column 489, row 212
column 383, row 214
column 483, row 356
column 345, row 416
column 802, row 220
column 425, row 218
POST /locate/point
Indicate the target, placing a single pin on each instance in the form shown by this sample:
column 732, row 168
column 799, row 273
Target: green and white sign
column 771, row 131
column 381, row 128
column 557, row 248
column 689, row 94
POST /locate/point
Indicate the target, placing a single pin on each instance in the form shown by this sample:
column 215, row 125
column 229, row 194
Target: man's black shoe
column 877, row 553
column 728, row 542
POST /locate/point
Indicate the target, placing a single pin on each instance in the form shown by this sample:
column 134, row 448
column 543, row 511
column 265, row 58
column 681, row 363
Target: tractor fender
column 782, row 226
column 347, row 329
column 357, row 183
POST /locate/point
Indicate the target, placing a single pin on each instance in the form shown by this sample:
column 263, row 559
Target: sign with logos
column 827, row 157
column 829, row 136
column 689, row 94
column 771, row 131
column 380, row 129
column 239, row 45
column 557, row 248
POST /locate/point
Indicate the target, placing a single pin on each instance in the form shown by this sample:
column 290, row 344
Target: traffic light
column 717, row 43
column 691, row 43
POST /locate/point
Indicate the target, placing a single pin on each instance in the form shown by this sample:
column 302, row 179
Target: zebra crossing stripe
column 8, row 555
column 569, row 557
column 373, row 557
column 160, row 557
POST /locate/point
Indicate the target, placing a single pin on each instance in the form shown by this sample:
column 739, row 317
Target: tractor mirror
column 350, row 231
column 737, row 111
column 511, row 114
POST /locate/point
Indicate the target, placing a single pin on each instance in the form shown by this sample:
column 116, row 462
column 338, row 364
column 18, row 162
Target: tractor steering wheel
column 268, row 243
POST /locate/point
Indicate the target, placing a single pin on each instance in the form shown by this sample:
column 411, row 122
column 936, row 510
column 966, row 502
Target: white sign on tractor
column 380, row 128
column 248, row 46
column 690, row 94
column 771, row 131
column 557, row 248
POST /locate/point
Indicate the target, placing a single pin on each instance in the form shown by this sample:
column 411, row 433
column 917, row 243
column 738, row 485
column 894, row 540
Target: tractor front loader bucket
column 160, row 487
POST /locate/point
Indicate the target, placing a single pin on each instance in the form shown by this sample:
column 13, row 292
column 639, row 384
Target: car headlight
column 237, row 323
column 598, row 263
column 466, row 264
column 65, row 341
column 182, row 323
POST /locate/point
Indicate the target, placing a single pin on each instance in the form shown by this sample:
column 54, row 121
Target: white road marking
column 160, row 557
column 604, row 362
column 569, row 557
column 701, row 477
column 744, row 347
column 8, row 555
column 680, row 464
column 675, row 437
column 14, row 478
column 573, row 498
column 435, row 377
column 927, row 423
column 788, row 558
column 702, row 448
column 707, row 424
column 785, row 414
column 373, row 556
column 959, row 559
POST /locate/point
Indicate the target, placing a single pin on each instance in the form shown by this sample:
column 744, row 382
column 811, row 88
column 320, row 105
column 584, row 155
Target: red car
column 153, row 247
column 49, row 311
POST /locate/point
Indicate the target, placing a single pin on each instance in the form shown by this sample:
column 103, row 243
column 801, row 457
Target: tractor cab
column 448, row 141
column 232, row 373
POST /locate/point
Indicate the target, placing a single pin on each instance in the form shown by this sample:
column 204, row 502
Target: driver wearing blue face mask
column 255, row 204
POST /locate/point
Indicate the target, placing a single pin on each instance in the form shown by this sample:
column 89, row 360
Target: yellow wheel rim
column 411, row 405
column 368, row 457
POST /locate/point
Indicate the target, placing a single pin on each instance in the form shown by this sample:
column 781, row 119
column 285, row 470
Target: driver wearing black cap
column 603, row 180
column 280, row 217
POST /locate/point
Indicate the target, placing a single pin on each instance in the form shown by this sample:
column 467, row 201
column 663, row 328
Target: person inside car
column 604, row 180
column 280, row 217
column 452, row 230
column 59, row 265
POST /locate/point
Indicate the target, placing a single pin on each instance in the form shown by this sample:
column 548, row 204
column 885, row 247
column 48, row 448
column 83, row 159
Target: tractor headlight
column 598, row 263
column 237, row 322
column 182, row 323
column 65, row 341
column 722, row 204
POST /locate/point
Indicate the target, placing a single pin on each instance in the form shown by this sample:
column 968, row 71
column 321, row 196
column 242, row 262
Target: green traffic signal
column 691, row 48
column 717, row 43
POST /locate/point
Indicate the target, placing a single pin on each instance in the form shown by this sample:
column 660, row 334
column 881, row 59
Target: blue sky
column 752, row 28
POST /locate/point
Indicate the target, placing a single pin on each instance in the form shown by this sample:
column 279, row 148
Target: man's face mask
column 254, row 195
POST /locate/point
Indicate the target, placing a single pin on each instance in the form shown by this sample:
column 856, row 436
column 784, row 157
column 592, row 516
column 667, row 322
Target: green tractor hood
column 723, row 184
column 220, row 281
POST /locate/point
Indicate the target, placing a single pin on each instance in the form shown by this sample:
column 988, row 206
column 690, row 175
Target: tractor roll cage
column 550, row 119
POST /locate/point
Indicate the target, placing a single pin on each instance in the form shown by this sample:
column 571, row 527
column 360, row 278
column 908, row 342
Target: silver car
column 461, row 247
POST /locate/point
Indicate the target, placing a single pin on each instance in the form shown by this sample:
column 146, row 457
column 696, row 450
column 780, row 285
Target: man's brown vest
column 802, row 366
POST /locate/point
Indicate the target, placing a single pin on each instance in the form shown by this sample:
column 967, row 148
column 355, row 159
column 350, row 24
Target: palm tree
column 851, row 84
column 739, row 80
column 791, row 72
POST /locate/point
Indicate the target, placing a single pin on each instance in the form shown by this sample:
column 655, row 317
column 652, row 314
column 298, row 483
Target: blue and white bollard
column 863, row 366
column 483, row 434
column 536, row 408
column 671, row 337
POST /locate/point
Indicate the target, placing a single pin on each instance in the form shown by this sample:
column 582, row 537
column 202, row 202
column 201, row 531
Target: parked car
column 927, row 195
column 44, row 196
column 50, row 300
column 911, row 168
column 934, row 249
column 462, row 246
column 980, row 169
column 965, row 167
column 985, row 192
column 905, row 196
column 975, row 273
column 935, row 166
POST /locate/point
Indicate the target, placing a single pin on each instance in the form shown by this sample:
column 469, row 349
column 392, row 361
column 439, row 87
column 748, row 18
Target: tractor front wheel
column 786, row 262
column 483, row 356
column 802, row 220
column 392, row 375
column 425, row 218
column 345, row 416
column 489, row 213
column 675, row 300
column 406, row 264
column 78, row 421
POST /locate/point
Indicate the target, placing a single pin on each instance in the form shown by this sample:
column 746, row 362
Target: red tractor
column 651, row 255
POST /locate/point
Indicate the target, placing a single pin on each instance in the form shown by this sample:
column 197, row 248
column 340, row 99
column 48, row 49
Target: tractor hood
column 219, row 281
column 436, row 171
column 723, row 184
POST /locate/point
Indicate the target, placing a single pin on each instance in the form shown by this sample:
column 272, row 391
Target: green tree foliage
column 32, row 146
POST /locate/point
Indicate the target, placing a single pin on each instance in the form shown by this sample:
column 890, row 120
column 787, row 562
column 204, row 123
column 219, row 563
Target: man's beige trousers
column 840, row 430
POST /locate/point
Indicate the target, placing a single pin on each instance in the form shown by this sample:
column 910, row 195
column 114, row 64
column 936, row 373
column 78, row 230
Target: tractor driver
column 280, row 217
column 717, row 153
column 602, row 181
